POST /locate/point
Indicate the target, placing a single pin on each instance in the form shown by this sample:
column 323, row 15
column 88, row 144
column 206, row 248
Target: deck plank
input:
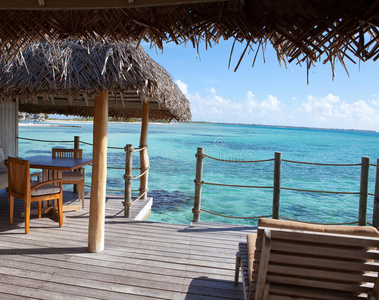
column 141, row 259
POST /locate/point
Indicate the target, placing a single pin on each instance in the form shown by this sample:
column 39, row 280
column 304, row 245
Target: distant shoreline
column 191, row 122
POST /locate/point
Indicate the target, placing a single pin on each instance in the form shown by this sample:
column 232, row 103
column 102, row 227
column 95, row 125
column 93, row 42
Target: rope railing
column 142, row 174
column 320, row 164
column 318, row 191
column 363, row 193
column 43, row 141
column 230, row 217
column 238, row 161
column 139, row 149
column 128, row 169
column 235, row 185
column 317, row 223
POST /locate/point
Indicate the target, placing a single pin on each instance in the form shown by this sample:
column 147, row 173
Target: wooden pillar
column 76, row 146
column 128, row 181
column 277, row 180
column 198, row 184
column 144, row 157
column 362, row 218
column 375, row 215
column 99, row 174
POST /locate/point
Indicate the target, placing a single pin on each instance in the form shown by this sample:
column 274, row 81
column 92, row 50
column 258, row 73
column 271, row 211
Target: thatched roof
column 63, row 77
column 300, row 30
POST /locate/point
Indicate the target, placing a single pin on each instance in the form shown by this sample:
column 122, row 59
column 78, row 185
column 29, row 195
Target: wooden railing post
column 144, row 157
column 198, row 183
column 76, row 146
column 128, row 180
column 375, row 214
column 277, row 180
column 362, row 218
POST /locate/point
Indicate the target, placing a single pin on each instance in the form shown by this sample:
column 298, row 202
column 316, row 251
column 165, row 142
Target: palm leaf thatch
column 63, row 77
column 306, row 31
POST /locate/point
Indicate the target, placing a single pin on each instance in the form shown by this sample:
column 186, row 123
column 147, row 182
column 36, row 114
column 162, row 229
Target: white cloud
column 328, row 112
column 182, row 86
column 331, row 111
column 320, row 107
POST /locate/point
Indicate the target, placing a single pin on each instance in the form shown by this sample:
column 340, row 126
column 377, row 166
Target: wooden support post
column 362, row 218
column 128, row 181
column 76, row 146
column 277, row 180
column 198, row 183
column 99, row 174
column 375, row 215
column 144, row 157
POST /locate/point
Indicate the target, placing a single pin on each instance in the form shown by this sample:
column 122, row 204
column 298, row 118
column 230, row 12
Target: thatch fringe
column 80, row 69
column 303, row 31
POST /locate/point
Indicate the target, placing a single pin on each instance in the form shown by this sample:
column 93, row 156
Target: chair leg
column 11, row 206
column 39, row 209
column 27, row 216
column 82, row 193
column 238, row 265
column 60, row 211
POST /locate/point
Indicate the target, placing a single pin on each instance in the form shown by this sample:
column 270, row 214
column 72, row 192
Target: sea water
column 172, row 149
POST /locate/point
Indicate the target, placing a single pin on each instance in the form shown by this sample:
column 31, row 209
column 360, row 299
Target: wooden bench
column 309, row 262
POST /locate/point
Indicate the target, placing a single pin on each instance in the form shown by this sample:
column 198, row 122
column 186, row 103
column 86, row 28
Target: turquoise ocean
column 172, row 149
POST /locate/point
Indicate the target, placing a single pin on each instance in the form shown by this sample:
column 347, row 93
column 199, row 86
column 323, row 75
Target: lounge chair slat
column 323, row 263
column 325, row 274
column 324, row 251
column 282, row 292
column 318, row 284
column 324, row 238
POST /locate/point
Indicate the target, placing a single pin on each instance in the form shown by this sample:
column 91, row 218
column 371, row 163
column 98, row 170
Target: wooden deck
column 141, row 259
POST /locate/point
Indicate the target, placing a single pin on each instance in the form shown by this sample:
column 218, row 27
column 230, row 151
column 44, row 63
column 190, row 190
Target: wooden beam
column 144, row 157
column 91, row 4
column 99, row 174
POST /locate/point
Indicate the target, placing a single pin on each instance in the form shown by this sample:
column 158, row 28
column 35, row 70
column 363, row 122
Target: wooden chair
column 291, row 260
column 19, row 186
column 72, row 177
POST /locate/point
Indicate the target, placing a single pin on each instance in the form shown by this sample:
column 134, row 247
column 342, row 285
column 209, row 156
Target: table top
column 64, row 164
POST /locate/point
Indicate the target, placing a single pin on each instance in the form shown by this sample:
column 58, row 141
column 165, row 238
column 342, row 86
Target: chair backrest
column 2, row 157
column 298, row 264
column 18, row 176
column 67, row 153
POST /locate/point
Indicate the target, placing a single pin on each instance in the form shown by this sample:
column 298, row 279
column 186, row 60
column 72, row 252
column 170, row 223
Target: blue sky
column 271, row 94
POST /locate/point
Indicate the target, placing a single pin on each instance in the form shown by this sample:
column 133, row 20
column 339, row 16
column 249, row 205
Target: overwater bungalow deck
column 141, row 259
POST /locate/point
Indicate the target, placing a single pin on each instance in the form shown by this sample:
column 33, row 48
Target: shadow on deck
column 141, row 259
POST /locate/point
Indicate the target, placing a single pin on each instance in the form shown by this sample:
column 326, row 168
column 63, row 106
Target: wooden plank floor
column 141, row 259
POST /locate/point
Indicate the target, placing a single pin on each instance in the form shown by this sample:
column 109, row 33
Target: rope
column 139, row 149
column 235, row 185
column 319, row 164
column 238, row 161
column 109, row 147
column 372, row 165
column 315, row 191
column 289, row 219
column 113, row 190
column 371, row 194
column 114, row 168
column 45, row 141
column 231, row 217
column 141, row 174
column 135, row 200
column 85, row 143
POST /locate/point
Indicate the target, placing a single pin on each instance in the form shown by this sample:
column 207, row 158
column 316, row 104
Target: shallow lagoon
column 172, row 149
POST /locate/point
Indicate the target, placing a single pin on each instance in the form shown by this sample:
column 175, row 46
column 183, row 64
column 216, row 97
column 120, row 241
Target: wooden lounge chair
column 21, row 187
column 292, row 260
column 72, row 177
